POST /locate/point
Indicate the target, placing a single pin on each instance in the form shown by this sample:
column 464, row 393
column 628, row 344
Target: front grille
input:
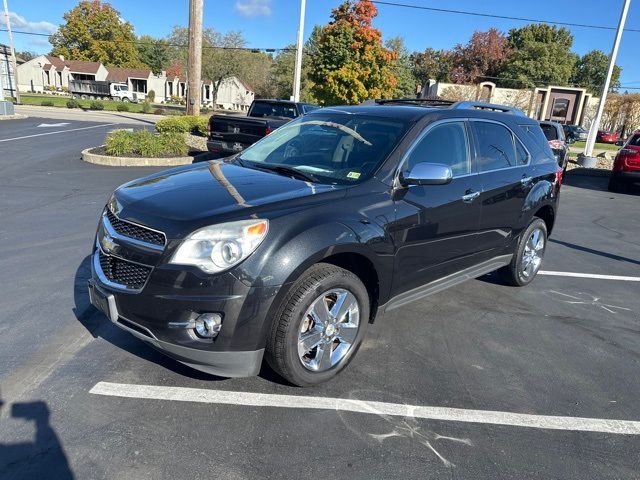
column 122, row 272
column 135, row 231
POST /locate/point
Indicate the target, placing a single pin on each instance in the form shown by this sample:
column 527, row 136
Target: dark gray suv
column 288, row 250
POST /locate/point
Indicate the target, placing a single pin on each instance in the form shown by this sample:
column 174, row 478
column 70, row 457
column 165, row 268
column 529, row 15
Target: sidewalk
column 87, row 115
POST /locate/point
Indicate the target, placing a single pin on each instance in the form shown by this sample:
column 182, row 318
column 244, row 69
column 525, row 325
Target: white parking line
column 182, row 394
column 57, row 131
column 589, row 275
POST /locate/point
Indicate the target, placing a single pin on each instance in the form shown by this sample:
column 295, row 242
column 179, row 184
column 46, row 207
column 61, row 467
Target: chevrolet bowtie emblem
column 107, row 243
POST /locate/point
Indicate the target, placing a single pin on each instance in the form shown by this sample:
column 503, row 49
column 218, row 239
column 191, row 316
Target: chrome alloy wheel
column 328, row 329
column 532, row 255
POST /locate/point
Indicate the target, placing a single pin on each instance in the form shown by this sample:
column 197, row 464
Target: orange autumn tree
column 350, row 64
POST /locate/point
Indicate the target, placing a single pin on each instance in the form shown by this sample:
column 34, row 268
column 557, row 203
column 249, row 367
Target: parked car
column 559, row 145
column 230, row 134
column 575, row 133
column 289, row 249
column 607, row 137
column 626, row 165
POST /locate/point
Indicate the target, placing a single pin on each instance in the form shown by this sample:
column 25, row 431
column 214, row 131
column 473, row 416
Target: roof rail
column 487, row 106
column 433, row 102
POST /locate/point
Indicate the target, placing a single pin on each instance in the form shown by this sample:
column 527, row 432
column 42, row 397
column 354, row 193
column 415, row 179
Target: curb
column 17, row 116
column 110, row 161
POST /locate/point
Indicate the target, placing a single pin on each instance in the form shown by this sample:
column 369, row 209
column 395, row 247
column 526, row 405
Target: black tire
column 513, row 274
column 282, row 343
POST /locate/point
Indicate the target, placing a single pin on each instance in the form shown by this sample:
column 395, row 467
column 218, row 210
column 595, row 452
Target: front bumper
column 172, row 298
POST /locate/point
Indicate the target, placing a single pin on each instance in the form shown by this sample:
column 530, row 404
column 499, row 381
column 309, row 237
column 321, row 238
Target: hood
column 182, row 199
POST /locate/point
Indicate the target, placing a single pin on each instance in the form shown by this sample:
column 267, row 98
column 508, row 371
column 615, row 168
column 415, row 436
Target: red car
column 626, row 166
column 607, row 137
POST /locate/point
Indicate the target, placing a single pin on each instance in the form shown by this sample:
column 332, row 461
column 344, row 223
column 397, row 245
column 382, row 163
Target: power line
column 501, row 17
column 139, row 42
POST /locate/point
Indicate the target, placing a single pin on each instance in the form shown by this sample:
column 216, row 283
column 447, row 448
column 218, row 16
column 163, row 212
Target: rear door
column 436, row 225
column 506, row 177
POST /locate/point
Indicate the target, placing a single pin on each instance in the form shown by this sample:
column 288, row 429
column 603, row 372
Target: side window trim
column 514, row 138
column 425, row 132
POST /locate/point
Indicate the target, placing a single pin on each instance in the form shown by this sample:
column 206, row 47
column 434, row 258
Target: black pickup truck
column 229, row 134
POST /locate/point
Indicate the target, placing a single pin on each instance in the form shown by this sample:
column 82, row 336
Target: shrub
column 73, row 103
column 122, row 107
column 159, row 111
column 151, row 95
column 122, row 143
column 96, row 105
column 46, row 103
column 184, row 124
column 146, row 107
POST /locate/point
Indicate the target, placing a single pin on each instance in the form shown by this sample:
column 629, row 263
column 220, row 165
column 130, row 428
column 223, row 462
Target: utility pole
column 587, row 159
column 298, row 72
column 13, row 55
column 194, row 67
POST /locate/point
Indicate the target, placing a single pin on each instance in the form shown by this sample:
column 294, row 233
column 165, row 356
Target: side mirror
column 427, row 174
column 619, row 143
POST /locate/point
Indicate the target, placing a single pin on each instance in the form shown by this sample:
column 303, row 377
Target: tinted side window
column 445, row 144
column 495, row 146
column 549, row 131
column 522, row 157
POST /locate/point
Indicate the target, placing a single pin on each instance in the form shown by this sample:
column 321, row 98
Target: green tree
column 351, row 64
column 432, row 64
column 95, row 32
column 590, row 72
column 542, row 55
column 283, row 67
column 154, row 53
column 403, row 69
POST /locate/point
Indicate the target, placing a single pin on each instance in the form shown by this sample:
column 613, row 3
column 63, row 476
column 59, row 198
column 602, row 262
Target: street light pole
column 13, row 55
column 194, row 67
column 298, row 71
column 593, row 131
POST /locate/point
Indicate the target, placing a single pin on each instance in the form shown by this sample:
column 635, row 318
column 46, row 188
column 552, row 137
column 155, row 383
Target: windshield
column 271, row 109
column 335, row 148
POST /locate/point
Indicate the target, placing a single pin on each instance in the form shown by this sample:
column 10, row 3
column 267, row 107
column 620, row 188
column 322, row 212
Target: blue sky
column 273, row 23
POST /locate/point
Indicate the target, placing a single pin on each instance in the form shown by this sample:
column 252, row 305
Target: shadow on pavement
column 43, row 458
column 595, row 252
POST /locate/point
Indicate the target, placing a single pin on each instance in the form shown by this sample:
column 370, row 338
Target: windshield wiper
column 286, row 170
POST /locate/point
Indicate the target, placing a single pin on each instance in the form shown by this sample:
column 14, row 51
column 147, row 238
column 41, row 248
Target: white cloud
column 253, row 8
column 20, row 23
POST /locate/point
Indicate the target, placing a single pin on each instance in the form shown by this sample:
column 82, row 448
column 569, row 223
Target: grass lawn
column 598, row 146
column 61, row 101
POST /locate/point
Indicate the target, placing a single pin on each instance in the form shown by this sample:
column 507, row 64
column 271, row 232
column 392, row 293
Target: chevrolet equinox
column 289, row 249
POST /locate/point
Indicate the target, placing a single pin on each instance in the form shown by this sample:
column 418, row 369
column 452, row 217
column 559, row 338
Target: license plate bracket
column 104, row 302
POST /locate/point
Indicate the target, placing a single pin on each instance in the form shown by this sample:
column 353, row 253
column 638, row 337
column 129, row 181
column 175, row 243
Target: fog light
column 208, row 325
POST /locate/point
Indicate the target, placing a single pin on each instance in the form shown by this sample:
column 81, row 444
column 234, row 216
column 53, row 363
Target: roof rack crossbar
column 438, row 102
column 487, row 106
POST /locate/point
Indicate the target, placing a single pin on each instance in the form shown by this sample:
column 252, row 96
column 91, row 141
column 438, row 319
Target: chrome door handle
column 470, row 197
column 526, row 180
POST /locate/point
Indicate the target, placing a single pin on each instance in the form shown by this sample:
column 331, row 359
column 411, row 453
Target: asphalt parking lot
column 75, row 396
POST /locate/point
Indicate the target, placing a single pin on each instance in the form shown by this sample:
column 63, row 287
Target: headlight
column 219, row 247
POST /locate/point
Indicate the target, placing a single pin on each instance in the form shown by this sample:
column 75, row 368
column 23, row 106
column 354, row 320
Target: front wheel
column 528, row 256
column 319, row 326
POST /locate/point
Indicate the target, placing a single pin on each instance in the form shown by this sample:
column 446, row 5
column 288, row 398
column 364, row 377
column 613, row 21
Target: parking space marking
column 198, row 395
column 590, row 275
column 57, row 131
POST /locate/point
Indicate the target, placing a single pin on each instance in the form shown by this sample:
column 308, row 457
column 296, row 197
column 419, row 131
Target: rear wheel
column 319, row 326
column 528, row 256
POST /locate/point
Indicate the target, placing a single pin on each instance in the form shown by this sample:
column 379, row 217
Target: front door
column 506, row 177
column 436, row 224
